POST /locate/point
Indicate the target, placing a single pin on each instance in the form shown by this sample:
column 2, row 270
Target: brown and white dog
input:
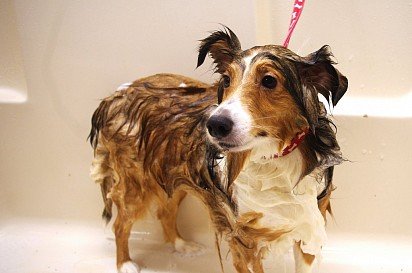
column 261, row 160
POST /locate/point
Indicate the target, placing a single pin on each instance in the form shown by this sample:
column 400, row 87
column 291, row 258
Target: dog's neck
column 268, row 172
column 264, row 170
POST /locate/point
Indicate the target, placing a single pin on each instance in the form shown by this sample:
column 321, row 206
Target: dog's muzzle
column 219, row 126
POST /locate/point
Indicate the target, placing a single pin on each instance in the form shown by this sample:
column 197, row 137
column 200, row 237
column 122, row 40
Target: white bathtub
column 70, row 54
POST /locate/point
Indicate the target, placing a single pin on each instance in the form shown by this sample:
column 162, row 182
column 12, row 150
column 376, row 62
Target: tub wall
column 77, row 52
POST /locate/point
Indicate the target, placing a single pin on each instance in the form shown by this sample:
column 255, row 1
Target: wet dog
column 257, row 148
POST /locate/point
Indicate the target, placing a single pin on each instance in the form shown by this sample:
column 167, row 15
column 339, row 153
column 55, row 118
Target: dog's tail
column 101, row 169
column 102, row 173
column 99, row 119
column 108, row 203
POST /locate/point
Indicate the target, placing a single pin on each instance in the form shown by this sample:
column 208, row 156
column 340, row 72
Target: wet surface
column 44, row 246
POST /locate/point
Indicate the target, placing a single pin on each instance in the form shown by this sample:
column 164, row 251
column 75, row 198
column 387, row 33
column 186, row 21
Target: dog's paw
column 129, row 267
column 188, row 248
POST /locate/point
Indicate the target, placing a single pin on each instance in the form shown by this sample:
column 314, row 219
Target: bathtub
column 65, row 56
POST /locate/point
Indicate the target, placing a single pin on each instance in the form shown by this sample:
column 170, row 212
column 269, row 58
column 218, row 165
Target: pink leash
column 297, row 10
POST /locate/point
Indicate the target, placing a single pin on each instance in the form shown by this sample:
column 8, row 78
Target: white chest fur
column 270, row 186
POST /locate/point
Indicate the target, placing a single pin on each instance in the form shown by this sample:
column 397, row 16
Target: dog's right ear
column 223, row 46
column 319, row 74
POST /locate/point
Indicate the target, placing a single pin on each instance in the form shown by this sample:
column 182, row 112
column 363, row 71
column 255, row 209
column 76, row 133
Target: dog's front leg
column 303, row 261
column 167, row 214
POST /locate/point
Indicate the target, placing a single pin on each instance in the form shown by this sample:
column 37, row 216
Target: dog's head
column 267, row 94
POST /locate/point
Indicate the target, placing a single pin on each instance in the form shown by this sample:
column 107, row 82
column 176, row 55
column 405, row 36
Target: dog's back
column 149, row 128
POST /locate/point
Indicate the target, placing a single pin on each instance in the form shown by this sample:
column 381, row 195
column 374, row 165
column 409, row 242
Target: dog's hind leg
column 126, row 216
column 167, row 214
column 131, row 206
column 122, row 227
column 118, row 187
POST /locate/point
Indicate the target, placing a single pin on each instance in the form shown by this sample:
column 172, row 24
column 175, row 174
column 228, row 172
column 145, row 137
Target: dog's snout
column 219, row 126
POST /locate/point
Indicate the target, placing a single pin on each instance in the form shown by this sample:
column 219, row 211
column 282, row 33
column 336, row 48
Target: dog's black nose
column 219, row 126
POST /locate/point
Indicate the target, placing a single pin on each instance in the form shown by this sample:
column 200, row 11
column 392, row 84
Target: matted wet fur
column 151, row 146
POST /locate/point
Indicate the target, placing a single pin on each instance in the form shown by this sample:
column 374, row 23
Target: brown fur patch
column 235, row 163
column 324, row 203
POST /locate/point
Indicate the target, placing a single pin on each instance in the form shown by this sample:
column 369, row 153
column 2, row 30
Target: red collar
column 294, row 143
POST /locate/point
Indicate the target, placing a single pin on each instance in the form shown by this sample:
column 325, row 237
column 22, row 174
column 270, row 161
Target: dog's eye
column 226, row 81
column 269, row 82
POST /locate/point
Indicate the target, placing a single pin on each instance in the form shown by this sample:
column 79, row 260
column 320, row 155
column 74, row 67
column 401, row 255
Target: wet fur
column 137, row 164
column 150, row 146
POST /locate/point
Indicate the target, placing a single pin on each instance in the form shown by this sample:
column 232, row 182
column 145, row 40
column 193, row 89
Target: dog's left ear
column 317, row 72
column 223, row 47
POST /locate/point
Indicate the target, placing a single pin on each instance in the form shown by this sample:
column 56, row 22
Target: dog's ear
column 318, row 73
column 223, row 47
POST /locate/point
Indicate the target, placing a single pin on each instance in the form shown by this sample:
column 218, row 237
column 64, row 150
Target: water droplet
column 381, row 157
column 364, row 151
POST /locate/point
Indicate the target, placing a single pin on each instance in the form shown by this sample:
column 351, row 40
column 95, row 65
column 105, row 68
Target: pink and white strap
column 297, row 10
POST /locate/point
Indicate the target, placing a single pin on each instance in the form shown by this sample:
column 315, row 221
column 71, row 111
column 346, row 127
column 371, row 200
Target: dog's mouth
column 226, row 145
column 233, row 147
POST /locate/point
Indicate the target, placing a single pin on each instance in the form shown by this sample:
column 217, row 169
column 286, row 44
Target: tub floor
column 43, row 246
